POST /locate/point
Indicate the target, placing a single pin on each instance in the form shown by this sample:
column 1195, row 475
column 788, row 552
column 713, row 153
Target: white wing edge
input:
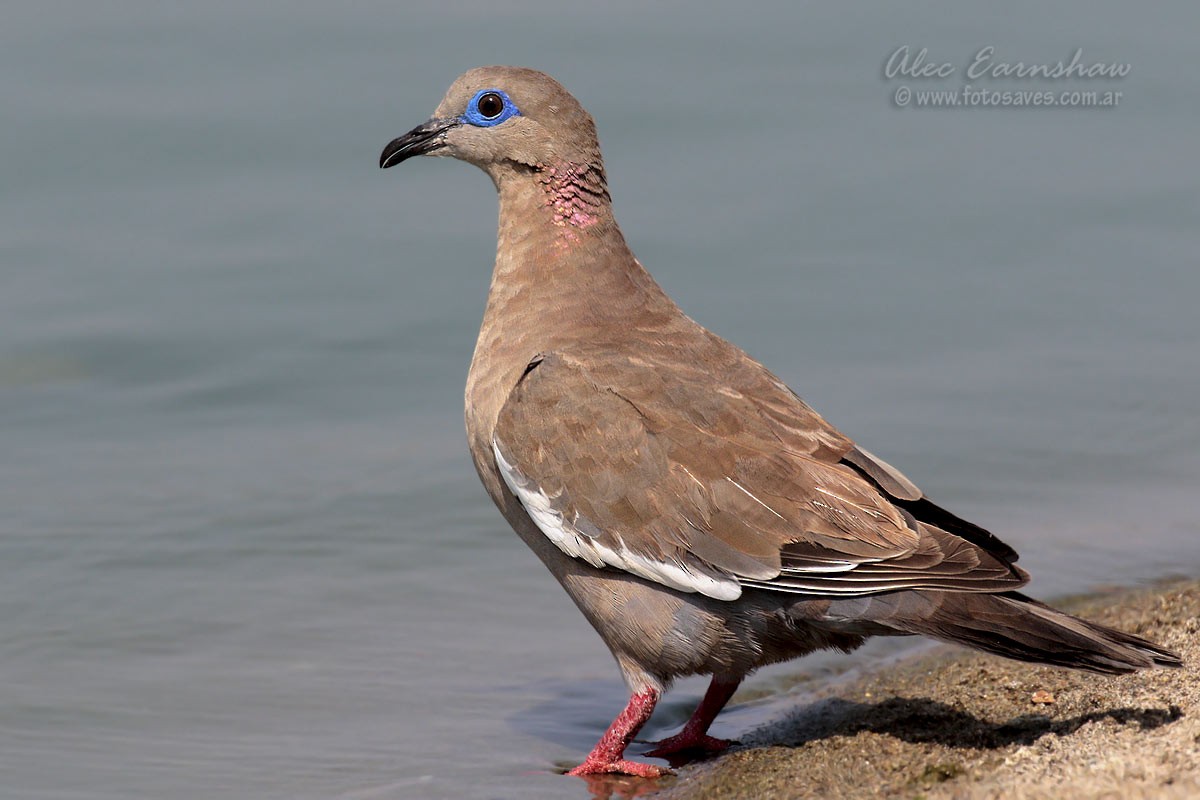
column 577, row 545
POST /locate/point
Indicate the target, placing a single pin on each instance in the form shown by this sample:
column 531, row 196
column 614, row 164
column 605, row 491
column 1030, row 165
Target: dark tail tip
column 1022, row 628
column 1156, row 655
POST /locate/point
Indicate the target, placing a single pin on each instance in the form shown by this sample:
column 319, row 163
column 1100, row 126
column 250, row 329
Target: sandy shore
column 955, row 724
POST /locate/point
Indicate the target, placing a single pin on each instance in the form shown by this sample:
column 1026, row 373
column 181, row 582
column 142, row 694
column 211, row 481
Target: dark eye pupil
column 490, row 105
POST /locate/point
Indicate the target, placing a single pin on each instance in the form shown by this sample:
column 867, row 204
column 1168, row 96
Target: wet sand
column 955, row 724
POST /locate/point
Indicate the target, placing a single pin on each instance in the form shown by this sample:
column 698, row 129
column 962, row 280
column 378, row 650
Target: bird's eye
column 490, row 105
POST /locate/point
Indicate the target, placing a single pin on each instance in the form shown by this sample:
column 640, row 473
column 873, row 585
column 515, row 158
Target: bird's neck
column 552, row 214
column 560, row 253
column 576, row 196
column 563, row 276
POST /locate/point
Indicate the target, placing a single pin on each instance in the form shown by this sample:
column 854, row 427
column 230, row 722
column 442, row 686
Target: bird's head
column 503, row 118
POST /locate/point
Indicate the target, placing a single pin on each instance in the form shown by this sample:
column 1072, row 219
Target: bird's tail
column 1011, row 625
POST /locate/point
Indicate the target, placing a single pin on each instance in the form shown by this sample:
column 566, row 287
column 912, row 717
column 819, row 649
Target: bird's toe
column 620, row 766
column 682, row 742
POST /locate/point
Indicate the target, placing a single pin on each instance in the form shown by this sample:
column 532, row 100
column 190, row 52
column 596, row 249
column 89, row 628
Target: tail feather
column 1008, row 624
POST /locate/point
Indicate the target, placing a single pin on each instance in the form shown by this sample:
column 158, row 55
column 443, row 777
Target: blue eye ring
column 482, row 111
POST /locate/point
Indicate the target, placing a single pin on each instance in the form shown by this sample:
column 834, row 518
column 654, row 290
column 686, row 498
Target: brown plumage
column 700, row 514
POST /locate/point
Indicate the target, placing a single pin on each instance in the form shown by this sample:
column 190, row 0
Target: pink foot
column 694, row 737
column 606, row 756
column 621, row 766
column 683, row 742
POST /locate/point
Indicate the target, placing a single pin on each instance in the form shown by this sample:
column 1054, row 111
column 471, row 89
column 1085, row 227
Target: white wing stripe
column 577, row 545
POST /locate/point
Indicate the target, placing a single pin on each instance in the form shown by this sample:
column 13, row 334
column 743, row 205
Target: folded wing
column 708, row 488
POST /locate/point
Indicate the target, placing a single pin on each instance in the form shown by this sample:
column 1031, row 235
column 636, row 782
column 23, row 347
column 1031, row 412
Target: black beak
column 421, row 140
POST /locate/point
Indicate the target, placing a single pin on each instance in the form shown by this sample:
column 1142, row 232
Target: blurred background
column 243, row 552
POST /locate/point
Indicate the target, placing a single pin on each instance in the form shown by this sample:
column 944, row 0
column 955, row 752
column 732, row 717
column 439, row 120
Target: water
column 242, row 550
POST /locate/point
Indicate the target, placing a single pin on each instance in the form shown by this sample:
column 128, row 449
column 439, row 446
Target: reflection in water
column 622, row 787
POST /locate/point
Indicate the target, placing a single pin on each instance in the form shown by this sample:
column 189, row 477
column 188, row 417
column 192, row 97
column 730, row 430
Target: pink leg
column 694, row 735
column 606, row 756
